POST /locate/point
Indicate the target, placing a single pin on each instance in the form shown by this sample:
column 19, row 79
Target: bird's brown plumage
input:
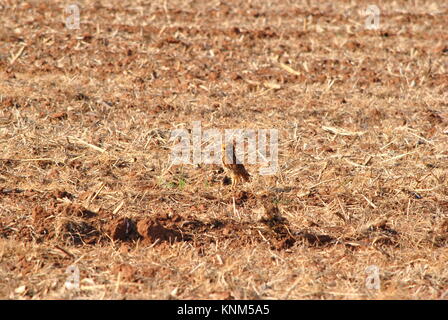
column 237, row 170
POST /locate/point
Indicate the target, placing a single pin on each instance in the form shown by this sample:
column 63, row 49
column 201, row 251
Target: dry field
column 85, row 173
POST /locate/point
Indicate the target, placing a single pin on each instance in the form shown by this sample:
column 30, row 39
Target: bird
column 236, row 169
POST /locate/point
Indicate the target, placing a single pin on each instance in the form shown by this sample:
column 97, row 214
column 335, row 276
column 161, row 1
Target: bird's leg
column 234, row 180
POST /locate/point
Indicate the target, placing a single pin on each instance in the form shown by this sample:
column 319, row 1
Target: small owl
column 237, row 171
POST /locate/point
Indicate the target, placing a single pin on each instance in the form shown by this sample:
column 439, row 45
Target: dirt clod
column 151, row 230
column 123, row 229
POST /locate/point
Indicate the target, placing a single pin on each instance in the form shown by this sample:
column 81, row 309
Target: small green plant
column 181, row 183
column 178, row 181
